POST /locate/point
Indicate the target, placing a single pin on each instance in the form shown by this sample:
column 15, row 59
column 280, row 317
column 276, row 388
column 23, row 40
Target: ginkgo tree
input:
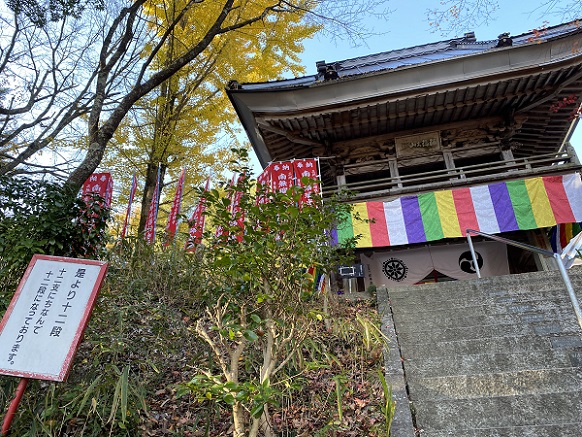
column 188, row 121
column 85, row 74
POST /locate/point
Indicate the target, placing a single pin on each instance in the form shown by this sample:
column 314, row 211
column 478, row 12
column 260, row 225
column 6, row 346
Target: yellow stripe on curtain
column 361, row 227
column 448, row 214
column 540, row 204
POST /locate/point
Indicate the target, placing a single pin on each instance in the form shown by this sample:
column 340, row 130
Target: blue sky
column 408, row 26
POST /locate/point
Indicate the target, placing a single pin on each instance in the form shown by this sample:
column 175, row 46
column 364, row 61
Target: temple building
column 434, row 140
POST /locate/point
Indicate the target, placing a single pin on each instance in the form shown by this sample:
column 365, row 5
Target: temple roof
column 422, row 88
column 436, row 51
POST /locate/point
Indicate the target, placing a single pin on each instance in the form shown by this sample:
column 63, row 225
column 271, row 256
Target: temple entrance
column 433, row 263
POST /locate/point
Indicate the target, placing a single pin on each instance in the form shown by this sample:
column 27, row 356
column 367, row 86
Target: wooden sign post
column 45, row 321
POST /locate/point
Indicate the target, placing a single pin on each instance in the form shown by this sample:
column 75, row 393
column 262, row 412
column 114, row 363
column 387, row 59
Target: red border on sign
column 64, row 373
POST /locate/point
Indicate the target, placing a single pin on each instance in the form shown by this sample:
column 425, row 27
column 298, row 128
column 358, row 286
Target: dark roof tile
column 416, row 55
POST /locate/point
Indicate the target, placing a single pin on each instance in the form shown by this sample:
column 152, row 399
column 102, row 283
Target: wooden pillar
column 450, row 164
column 394, row 174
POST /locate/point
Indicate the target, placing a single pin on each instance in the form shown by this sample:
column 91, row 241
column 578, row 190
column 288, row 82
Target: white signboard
column 44, row 324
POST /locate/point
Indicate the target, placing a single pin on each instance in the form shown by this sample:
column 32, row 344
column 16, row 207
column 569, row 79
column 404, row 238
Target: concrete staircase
column 492, row 357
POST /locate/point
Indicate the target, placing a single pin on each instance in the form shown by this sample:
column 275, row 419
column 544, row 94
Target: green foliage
column 389, row 406
column 141, row 370
column 212, row 388
column 281, row 240
column 179, row 342
column 136, row 346
column 260, row 300
column 38, row 217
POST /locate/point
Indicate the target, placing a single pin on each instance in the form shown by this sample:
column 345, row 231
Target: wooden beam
column 289, row 135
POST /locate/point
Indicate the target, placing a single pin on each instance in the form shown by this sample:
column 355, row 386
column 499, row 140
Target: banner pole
column 14, row 405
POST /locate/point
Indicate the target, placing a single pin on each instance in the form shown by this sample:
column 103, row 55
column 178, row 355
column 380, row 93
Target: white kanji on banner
column 101, row 184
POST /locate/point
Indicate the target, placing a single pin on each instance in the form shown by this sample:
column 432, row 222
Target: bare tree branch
column 94, row 69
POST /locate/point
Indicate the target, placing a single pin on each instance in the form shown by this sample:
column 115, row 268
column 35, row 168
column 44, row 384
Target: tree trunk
column 269, row 361
column 88, row 166
column 148, row 194
column 263, row 423
column 238, row 418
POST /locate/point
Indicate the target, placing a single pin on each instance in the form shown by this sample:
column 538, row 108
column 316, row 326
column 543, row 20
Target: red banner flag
column 173, row 217
column 101, row 184
column 238, row 216
column 197, row 222
column 307, row 168
column 150, row 226
column 282, row 176
column 264, row 185
column 132, row 191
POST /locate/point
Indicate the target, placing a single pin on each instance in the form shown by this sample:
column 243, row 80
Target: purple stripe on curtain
column 503, row 207
column 334, row 237
column 413, row 219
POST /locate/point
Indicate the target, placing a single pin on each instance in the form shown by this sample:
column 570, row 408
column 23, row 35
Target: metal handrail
column 557, row 257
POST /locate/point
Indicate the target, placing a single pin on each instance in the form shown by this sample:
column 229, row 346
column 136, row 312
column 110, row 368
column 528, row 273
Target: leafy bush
column 45, row 218
column 261, row 300
column 136, row 346
column 142, row 370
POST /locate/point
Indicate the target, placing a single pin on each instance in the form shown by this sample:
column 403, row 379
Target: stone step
column 525, row 382
column 476, row 364
column 493, row 288
column 554, row 430
column 463, row 416
column 455, row 299
column 477, row 317
column 516, row 303
column 428, row 336
column 491, row 345
column 493, row 357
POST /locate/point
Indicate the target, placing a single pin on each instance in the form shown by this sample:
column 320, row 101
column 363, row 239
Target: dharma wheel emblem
column 395, row 269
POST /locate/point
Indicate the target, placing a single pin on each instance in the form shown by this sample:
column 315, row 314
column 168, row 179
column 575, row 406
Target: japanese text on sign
column 45, row 320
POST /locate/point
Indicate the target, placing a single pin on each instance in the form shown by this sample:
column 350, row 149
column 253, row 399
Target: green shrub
column 38, row 217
